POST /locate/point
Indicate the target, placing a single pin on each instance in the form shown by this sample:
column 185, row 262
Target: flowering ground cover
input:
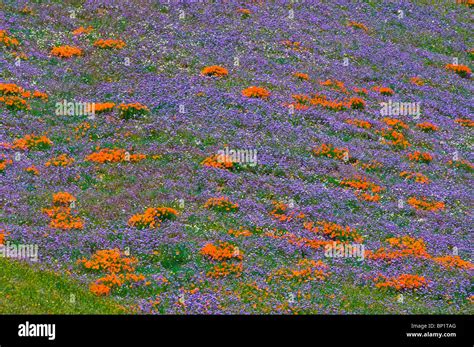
column 237, row 157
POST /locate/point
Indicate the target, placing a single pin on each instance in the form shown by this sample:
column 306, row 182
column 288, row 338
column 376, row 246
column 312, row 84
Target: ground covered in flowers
column 134, row 205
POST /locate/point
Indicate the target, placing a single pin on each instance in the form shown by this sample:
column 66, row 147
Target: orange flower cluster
column 66, row 51
column 383, row 90
column 116, row 155
column 356, row 103
column 119, row 270
column 240, row 232
column 425, row 204
column 298, row 241
column 109, row 43
column 427, row 126
column 15, row 103
column 420, row 157
column 323, row 101
column 415, row 176
column 335, row 84
column 301, row 76
column 365, row 189
column 358, row 25
column 3, row 234
column 361, row 91
column 371, row 165
column 256, row 92
column 400, row 247
column 219, row 162
column 13, row 96
column 453, row 261
column 152, row 217
column 395, row 123
column 465, row 122
column 4, row 162
column 359, row 123
column 8, row 40
column 407, row 246
column 221, row 204
column 461, row 70
column 32, row 142
column 225, row 269
column 63, row 199
column 244, row 11
column 280, row 212
column 32, row 170
column 81, row 30
column 402, row 282
column 61, row 160
column 461, row 164
column 334, row 231
column 303, row 102
column 214, row 71
column 60, row 213
column 103, row 107
column 223, row 251
column 417, row 81
column 132, row 110
column 329, row 151
column 306, row 270
column 10, row 89
column 295, row 45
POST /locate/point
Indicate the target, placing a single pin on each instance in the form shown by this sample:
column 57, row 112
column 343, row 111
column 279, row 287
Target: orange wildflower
column 81, row 30
column 450, row 261
column 61, row 160
column 395, row 123
column 383, row 90
column 425, row 204
column 32, row 142
column 359, row 123
column 334, row 231
column 330, row 151
column 358, row 25
column 427, row 126
column 33, row 170
column 417, row 81
column 109, row 43
column 421, row 157
column 214, row 71
column 117, row 155
column 8, row 40
column 301, row 76
column 152, row 217
column 256, row 92
column 132, row 110
column 465, row 122
column 66, row 51
column 221, row 251
column 402, row 282
column 221, row 204
column 225, row 269
column 306, row 270
column 103, row 107
column 415, row 176
column 461, row 70
column 218, row 161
